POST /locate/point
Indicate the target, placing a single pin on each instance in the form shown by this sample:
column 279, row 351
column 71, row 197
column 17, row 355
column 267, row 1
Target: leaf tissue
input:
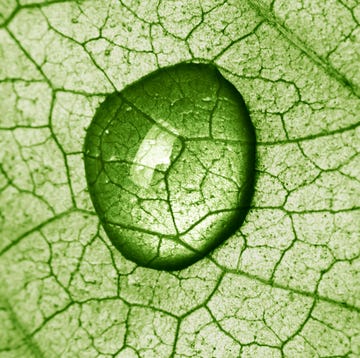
column 126, row 142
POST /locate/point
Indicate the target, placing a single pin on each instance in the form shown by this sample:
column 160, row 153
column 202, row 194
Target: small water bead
column 169, row 163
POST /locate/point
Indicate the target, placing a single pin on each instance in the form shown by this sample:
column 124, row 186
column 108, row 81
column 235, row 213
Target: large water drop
column 169, row 163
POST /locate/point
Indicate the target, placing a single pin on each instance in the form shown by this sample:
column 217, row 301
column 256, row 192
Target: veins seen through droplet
column 169, row 163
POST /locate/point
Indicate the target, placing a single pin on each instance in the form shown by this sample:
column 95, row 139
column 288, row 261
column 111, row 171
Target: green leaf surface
column 287, row 284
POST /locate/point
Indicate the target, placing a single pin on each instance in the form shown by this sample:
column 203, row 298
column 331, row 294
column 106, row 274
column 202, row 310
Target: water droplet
column 183, row 178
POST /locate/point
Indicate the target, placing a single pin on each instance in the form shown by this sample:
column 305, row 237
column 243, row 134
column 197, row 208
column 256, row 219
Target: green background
column 287, row 284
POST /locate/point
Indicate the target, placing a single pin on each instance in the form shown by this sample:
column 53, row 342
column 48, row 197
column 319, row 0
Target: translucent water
column 169, row 163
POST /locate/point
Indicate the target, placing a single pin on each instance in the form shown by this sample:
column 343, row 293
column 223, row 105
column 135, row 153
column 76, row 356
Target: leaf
column 285, row 284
